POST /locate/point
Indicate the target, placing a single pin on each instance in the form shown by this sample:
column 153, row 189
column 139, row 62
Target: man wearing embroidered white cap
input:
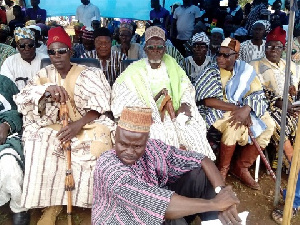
column 195, row 64
column 21, row 67
column 146, row 82
column 40, row 46
column 232, row 100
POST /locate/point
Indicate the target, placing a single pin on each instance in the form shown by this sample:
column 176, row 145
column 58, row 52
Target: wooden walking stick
column 69, row 181
column 262, row 155
column 293, row 177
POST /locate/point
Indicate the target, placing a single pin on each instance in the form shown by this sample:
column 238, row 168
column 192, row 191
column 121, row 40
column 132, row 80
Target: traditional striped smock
column 137, row 194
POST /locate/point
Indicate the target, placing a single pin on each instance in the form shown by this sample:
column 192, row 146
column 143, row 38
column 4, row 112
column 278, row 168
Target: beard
column 155, row 61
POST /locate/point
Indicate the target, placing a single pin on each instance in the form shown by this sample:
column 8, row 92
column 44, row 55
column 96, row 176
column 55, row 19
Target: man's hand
column 184, row 108
column 230, row 216
column 4, row 131
column 58, row 93
column 225, row 199
column 241, row 116
column 292, row 90
column 291, row 109
column 68, row 132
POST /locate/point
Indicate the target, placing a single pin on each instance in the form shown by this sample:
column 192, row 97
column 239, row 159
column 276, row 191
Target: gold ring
column 56, row 94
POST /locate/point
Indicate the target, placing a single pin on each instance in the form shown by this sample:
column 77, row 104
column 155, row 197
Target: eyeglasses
column 155, row 47
column 23, row 46
column 225, row 55
column 60, row 51
column 271, row 47
column 199, row 45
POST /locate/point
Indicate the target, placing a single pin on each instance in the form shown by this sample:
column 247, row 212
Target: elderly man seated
column 86, row 93
column 195, row 64
column 145, row 181
column 11, row 153
column 23, row 66
column 159, row 82
column 271, row 71
column 232, row 100
column 110, row 61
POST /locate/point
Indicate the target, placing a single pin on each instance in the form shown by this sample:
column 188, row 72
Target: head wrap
column 200, row 37
column 4, row 27
column 231, row 43
column 102, row 31
column 266, row 23
column 277, row 34
column 30, row 22
column 241, row 32
column 58, row 34
column 218, row 30
column 21, row 33
column 35, row 27
column 136, row 119
column 155, row 31
column 126, row 26
column 87, row 33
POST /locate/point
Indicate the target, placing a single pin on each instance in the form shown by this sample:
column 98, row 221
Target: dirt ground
column 258, row 203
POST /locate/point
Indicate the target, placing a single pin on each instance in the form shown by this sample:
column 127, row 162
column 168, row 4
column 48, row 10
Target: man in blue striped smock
column 230, row 97
column 145, row 181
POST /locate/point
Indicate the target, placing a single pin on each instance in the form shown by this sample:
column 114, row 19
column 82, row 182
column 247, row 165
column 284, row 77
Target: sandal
column 277, row 214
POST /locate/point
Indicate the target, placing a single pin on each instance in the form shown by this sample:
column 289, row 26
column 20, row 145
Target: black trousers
column 194, row 184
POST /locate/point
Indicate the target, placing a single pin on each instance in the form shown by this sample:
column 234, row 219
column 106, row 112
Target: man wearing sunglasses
column 231, row 99
column 146, row 83
column 271, row 71
column 86, row 93
column 23, row 66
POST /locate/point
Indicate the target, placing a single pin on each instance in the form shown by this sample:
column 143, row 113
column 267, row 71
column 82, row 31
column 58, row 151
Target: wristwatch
column 218, row 189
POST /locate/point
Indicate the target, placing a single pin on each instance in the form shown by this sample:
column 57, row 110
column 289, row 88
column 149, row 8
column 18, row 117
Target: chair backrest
column 125, row 63
column 87, row 62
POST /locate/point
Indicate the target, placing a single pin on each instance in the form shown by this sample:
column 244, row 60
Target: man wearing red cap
column 87, row 95
column 271, row 71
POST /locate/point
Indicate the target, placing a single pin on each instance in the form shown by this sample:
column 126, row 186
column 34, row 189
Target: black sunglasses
column 60, row 51
column 23, row 46
column 225, row 55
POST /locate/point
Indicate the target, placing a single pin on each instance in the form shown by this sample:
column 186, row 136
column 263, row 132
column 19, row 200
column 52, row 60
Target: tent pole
column 285, row 99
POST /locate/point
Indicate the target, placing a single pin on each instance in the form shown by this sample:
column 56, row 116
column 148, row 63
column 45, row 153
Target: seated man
column 87, row 96
column 271, row 71
column 143, row 83
column 195, row 64
column 11, row 153
column 87, row 48
column 232, row 100
column 110, row 61
column 145, row 181
column 23, row 66
column 5, row 52
column 131, row 50
column 36, row 13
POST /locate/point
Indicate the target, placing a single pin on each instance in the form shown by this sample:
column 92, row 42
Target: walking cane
column 69, row 181
column 262, row 155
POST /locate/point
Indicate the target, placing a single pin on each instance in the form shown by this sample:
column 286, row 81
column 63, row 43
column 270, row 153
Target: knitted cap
column 231, row 43
column 136, row 119
column 126, row 26
column 155, row 31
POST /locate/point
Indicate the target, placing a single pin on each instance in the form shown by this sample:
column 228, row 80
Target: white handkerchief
column 242, row 215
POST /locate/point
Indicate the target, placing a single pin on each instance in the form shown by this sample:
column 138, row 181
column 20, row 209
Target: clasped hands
column 227, row 202
column 60, row 95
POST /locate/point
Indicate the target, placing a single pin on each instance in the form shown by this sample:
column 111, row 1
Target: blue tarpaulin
column 132, row 9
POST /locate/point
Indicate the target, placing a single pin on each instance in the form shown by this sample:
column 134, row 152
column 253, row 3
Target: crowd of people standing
column 155, row 123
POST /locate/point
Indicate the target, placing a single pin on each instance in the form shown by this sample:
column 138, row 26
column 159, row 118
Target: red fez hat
column 58, row 34
column 277, row 34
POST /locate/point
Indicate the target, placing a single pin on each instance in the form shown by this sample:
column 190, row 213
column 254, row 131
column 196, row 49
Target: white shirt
column 15, row 67
column 249, row 51
column 185, row 17
column 9, row 14
column 86, row 13
column 42, row 49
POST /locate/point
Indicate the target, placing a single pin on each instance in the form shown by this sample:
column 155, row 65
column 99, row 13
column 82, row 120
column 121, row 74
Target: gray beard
column 155, row 61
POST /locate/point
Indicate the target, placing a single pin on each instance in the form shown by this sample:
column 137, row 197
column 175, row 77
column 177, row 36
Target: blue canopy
column 131, row 9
